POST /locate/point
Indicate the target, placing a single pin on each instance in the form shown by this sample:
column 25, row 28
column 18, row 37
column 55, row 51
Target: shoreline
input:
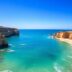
column 6, row 32
column 65, row 40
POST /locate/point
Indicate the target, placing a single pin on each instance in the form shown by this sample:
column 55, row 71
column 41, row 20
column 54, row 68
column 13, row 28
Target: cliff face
column 6, row 32
column 3, row 42
column 66, row 35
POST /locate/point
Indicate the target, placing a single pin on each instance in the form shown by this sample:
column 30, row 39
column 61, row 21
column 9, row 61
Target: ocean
column 36, row 51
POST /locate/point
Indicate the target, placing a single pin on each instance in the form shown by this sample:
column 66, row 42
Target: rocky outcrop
column 6, row 32
column 65, row 35
column 3, row 42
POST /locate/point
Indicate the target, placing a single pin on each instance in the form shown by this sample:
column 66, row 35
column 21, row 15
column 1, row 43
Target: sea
column 36, row 51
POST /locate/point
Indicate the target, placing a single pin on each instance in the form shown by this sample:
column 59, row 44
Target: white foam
column 56, row 67
column 9, row 50
column 11, row 44
column 50, row 37
column 22, row 44
column 6, row 71
column 2, row 50
column 63, row 59
column 70, row 56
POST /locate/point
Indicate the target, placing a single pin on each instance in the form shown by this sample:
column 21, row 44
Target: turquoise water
column 36, row 51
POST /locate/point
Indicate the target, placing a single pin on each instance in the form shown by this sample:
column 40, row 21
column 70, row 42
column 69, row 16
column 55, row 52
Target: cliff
column 6, row 32
column 3, row 42
column 64, row 36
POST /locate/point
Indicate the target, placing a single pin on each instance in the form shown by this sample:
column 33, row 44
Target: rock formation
column 65, row 35
column 6, row 32
column 3, row 43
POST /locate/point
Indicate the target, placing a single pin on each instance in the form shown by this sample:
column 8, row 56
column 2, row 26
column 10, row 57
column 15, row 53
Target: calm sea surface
column 36, row 51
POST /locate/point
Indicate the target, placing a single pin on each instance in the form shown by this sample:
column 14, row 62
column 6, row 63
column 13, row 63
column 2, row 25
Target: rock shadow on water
column 39, row 61
column 52, row 56
column 49, row 55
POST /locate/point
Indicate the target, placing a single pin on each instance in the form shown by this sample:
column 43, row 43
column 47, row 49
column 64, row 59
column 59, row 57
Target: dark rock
column 3, row 43
column 6, row 32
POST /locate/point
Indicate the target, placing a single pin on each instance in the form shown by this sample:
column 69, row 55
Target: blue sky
column 36, row 14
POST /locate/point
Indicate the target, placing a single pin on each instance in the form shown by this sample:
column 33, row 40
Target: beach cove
column 36, row 51
column 65, row 36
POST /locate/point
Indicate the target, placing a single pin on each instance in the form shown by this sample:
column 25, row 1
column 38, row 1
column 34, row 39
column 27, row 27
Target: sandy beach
column 65, row 40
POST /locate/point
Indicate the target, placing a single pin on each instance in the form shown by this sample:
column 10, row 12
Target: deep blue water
column 36, row 51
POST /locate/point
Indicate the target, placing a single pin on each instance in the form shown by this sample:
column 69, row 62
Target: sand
column 65, row 40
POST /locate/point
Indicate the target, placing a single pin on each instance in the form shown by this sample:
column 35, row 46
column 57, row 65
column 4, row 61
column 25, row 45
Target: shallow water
column 36, row 51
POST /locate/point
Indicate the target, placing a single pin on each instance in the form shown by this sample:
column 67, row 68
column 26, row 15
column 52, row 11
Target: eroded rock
column 6, row 32
column 66, row 35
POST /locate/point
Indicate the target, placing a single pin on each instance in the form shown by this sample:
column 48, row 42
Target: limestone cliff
column 65, row 35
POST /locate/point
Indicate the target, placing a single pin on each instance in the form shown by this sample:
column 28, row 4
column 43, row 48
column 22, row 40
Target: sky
column 36, row 14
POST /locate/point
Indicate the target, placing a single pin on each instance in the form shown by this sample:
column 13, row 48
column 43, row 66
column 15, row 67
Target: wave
column 6, row 71
column 70, row 56
column 50, row 37
column 11, row 45
column 2, row 50
column 57, row 68
column 9, row 50
column 22, row 44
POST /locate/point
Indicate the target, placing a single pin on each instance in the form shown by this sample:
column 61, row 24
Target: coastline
column 64, row 36
column 6, row 32
column 65, row 40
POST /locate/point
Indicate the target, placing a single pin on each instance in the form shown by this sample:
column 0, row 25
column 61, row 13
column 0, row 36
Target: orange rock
column 67, row 35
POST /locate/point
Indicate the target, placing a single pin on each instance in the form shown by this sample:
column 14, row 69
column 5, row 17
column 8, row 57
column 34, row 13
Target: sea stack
column 6, row 32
